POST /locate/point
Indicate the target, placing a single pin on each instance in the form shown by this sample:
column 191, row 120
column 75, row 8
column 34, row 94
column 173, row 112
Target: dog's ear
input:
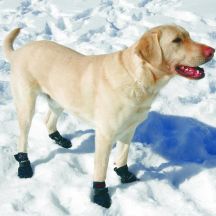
column 149, row 49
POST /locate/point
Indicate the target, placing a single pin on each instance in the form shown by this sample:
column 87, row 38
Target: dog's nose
column 208, row 52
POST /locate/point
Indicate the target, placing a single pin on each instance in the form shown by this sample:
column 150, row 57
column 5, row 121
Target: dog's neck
column 146, row 80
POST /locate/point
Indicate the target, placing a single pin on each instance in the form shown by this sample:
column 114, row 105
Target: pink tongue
column 191, row 71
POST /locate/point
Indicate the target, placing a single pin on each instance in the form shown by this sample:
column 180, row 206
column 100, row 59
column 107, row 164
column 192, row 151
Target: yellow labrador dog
column 113, row 92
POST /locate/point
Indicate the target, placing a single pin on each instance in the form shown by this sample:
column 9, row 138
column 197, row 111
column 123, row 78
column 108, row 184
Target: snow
column 173, row 151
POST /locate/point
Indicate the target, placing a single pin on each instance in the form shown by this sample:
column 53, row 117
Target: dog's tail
column 8, row 43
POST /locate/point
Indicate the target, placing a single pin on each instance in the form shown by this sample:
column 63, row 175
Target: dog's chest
column 134, row 115
column 140, row 112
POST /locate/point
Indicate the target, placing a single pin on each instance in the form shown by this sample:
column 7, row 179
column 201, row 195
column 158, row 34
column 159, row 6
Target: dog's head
column 170, row 49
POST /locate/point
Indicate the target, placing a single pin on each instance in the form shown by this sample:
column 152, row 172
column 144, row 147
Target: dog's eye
column 177, row 40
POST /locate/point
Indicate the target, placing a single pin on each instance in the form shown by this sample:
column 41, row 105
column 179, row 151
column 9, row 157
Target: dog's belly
column 75, row 105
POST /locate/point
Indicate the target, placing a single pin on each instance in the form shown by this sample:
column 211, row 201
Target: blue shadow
column 176, row 138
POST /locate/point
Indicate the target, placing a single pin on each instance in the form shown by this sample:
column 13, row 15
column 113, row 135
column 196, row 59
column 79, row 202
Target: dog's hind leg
column 52, row 115
column 24, row 95
column 51, row 124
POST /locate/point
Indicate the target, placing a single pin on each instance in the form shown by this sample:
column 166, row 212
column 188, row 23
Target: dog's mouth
column 190, row 72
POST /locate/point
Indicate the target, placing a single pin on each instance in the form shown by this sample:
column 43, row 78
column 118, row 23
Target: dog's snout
column 208, row 52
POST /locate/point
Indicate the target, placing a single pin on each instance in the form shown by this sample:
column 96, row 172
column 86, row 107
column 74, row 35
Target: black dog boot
column 24, row 170
column 101, row 195
column 56, row 136
column 125, row 174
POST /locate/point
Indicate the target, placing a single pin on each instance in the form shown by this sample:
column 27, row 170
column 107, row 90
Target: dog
column 113, row 92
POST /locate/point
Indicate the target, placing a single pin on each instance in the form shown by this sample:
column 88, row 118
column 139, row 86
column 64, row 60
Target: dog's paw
column 125, row 175
column 63, row 142
column 101, row 197
column 129, row 178
column 25, row 170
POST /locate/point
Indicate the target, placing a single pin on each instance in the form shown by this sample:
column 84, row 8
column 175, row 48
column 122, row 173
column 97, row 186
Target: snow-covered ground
column 173, row 151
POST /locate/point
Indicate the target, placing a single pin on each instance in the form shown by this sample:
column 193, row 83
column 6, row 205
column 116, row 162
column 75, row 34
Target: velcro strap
column 24, row 163
column 100, row 191
column 21, row 156
column 55, row 136
column 99, row 184
column 122, row 171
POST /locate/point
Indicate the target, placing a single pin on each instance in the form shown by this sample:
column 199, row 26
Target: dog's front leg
column 103, row 146
column 121, row 158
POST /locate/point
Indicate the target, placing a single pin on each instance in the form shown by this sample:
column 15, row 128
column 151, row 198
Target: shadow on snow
column 184, row 142
column 178, row 139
